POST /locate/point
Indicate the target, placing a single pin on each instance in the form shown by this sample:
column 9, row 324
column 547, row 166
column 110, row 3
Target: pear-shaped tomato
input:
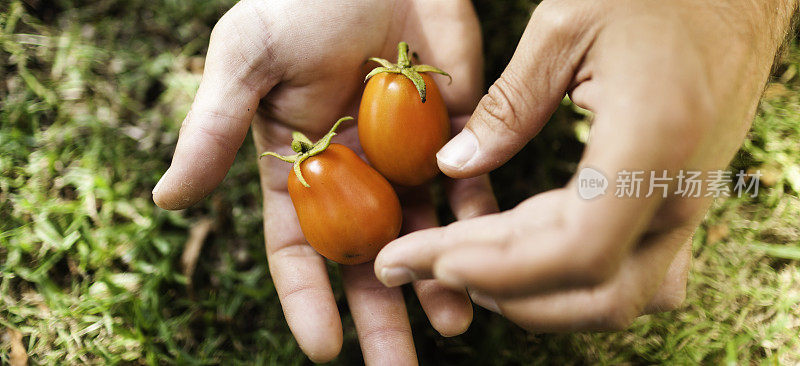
column 347, row 210
column 402, row 120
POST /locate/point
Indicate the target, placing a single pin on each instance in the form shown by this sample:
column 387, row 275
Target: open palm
column 290, row 65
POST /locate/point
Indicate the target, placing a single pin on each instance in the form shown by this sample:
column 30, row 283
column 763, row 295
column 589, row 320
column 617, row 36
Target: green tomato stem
column 407, row 69
column 402, row 55
column 305, row 149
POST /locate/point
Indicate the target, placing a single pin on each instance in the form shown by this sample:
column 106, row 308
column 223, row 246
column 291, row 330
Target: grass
column 91, row 98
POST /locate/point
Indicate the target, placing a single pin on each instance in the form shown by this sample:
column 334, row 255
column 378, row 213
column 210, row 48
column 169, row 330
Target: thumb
column 233, row 81
column 519, row 103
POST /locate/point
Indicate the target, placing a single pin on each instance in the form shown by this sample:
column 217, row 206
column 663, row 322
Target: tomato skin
column 400, row 134
column 350, row 211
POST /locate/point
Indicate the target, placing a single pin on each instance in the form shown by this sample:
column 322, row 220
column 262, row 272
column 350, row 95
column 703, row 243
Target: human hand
column 287, row 66
column 673, row 86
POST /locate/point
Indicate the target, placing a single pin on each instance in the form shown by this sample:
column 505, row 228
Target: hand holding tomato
column 282, row 66
column 651, row 72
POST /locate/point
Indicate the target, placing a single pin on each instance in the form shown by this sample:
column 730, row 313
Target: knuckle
column 616, row 311
column 685, row 99
column 670, row 296
column 669, row 300
column 221, row 140
column 560, row 18
column 225, row 28
column 591, row 264
column 300, row 290
column 291, row 250
column 687, row 103
column 594, row 270
column 379, row 334
column 502, row 106
column 227, row 45
column 678, row 213
column 476, row 205
column 472, row 198
column 685, row 114
column 241, row 46
column 618, row 317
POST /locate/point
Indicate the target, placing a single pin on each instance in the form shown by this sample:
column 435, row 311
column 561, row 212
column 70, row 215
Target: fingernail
column 459, row 150
column 396, row 276
column 484, row 301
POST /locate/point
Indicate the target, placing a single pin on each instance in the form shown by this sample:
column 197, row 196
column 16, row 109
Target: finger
column 297, row 270
column 533, row 248
column 669, row 296
column 417, row 252
column 234, row 79
column 610, row 306
column 549, row 242
column 380, row 317
column 484, row 301
column 301, row 281
column 448, row 310
column 593, row 236
column 523, row 98
column 471, row 197
column 411, row 257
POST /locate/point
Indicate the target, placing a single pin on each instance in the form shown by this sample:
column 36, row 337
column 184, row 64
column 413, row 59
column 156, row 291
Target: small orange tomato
column 347, row 210
column 402, row 120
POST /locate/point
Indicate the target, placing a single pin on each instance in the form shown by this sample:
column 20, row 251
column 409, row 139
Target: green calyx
column 404, row 67
column 306, row 149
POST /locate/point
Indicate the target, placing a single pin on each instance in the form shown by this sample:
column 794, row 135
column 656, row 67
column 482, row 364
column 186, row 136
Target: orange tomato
column 402, row 119
column 400, row 135
column 347, row 210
